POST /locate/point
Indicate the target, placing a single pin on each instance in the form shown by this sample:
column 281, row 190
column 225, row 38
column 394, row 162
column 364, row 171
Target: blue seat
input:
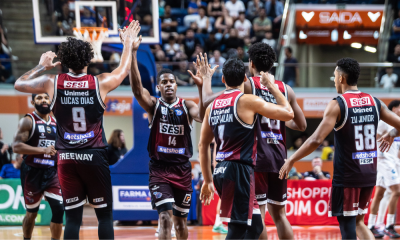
column 178, row 12
column 181, row 29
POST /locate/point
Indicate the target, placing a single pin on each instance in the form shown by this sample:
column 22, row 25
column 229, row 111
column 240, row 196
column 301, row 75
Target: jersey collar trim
column 76, row 75
column 231, row 91
column 47, row 122
column 170, row 105
column 353, row 91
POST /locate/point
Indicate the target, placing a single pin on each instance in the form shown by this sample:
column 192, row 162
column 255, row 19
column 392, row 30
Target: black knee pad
column 164, row 207
column 57, row 210
column 347, row 227
column 33, row 210
column 104, row 213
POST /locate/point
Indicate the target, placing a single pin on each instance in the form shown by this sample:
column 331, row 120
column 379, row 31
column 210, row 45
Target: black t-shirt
column 312, row 174
column 190, row 45
column 114, row 154
column 290, row 71
column 168, row 20
column 233, row 42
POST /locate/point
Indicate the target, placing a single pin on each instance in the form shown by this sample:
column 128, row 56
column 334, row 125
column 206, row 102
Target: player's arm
column 393, row 120
column 110, row 81
column 33, row 82
column 298, row 123
column 207, row 93
column 21, row 137
column 331, row 114
column 206, row 137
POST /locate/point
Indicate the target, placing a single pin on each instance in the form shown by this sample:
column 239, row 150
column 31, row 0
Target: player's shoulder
column 26, row 122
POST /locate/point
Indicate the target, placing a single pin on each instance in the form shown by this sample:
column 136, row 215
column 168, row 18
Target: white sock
column 371, row 220
column 173, row 228
column 390, row 220
column 383, row 206
column 158, row 227
column 217, row 220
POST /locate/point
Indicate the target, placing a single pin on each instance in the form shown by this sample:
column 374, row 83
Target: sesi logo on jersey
column 44, row 143
column 359, row 102
column 220, row 103
column 73, row 84
column 171, row 129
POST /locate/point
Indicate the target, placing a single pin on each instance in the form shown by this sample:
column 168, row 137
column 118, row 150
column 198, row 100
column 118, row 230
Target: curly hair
column 351, row 68
column 262, row 55
column 75, row 54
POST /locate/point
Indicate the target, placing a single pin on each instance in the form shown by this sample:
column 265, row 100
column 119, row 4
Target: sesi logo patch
column 76, row 84
column 44, row 143
column 359, row 102
column 171, row 129
column 220, row 103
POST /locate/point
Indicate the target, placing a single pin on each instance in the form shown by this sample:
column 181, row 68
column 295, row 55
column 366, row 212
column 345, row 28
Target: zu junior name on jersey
column 171, row 129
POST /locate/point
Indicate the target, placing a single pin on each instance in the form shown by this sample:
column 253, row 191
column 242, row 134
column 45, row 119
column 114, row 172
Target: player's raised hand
column 207, row 193
column 130, row 33
column 50, row 150
column 284, row 172
column 205, row 69
column 197, row 79
column 46, row 60
column 385, row 142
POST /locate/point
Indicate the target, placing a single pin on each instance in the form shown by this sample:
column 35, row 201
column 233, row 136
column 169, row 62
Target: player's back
column 271, row 133
column 235, row 139
column 78, row 106
column 355, row 157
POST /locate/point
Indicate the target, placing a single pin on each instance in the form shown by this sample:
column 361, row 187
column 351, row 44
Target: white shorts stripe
column 276, row 202
column 52, row 195
column 256, row 211
column 164, row 201
column 350, row 213
column 76, row 205
column 98, row 206
column 181, row 209
column 262, row 202
column 35, row 205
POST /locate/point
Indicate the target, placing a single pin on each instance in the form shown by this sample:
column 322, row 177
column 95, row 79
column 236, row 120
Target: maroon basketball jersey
column 235, row 139
column 271, row 133
column 78, row 106
column 43, row 134
column 170, row 129
column 355, row 157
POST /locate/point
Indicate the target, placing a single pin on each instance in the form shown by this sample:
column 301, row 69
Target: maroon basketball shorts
column 270, row 189
column 37, row 182
column 349, row 201
column 171, row 187
column 235, row 186
column 84, row 174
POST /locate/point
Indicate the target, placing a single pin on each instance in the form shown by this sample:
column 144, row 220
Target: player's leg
column 73, row 221
column 379, row 193
column 347, row 227
column 105, row 219
column 29, row 223
column 392, row 206
column 362, row 230
column 277, row 195
column 219, row 227
column 181, row 229
column 261, row 190
column 165, row 221
column 383, row 206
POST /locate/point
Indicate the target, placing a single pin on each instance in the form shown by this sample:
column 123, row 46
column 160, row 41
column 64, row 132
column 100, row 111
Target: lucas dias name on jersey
column 75, row 156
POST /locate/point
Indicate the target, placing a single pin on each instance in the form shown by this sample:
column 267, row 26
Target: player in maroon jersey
column 354, row 116
column 271, row 134
column 35, row 139
column 170, row 147
column 231, row 120
column 78, row 104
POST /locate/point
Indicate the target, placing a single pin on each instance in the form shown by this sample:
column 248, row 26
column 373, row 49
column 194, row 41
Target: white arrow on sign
column 374, row 16
column 307, row 16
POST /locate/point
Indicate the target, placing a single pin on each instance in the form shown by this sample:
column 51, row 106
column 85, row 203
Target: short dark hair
column 234, row 72
column 75, row 54
column 34, row 95
column 164, row 71
column 289, row 49
column 351, row 68
column 262, row 55
column 394, row 103
column 240, row 13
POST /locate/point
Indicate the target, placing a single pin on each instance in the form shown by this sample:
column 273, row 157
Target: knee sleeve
column 57, row 210
column 347, row 227
column 236, row 231
column 33, row 210
column 105, row 218
column 73, row 223
column 254, row 231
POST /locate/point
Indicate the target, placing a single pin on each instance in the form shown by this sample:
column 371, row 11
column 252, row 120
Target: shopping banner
column 12, row 205
column 307, row 204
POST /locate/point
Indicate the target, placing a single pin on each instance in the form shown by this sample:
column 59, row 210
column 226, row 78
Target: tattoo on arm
column 31, row 74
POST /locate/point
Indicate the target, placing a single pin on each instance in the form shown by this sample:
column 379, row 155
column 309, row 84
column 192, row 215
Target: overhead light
column 370, row 49
column 356, row 45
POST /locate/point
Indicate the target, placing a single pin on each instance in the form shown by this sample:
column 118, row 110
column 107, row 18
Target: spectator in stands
column 172, row 48
column 247, row 44
column 203, row 23
column 253, row 8
column 395, row 58
column 65, row 21
column 168, row 24
column 215, row 8
column 243, row 26
column 396, row 28
column 274, row 10
column 87, row 20
column 217, row 59
column 116, row 146
column 190, row 42
column 233, row 41
column 291, row 73
column 212, row 43
column 317, row 173
column 224, row 23
column 261, row 24
column 242, row 55
column 294, row 175
column 269, row 40
column 193, row 10
column 159, row 54
column 234, row 7
column 183, row 78
column 12, row 170
column 5, row 53
column 198, row 49
column 327, row 151
column 5, row 150
column 389, row 80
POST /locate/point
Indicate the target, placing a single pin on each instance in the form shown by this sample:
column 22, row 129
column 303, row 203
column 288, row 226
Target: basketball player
column 271, row 135
column 354, row 116
column 35, row 139
column 170, row 147
column 231, row 119
column 388, row 177
column 78, row 104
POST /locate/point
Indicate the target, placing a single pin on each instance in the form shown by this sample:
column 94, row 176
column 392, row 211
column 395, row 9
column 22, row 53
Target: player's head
column 166, row 84
column 394, row 106
column 317, row 161
column 262, row 58
column 346, row 73
column 41, row 102
column 234, row 72
column 75, row 54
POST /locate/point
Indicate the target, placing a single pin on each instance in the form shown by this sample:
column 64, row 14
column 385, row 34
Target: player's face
column 396, row 110
column 337, row 80
column 42, row 103
column 167, row 86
